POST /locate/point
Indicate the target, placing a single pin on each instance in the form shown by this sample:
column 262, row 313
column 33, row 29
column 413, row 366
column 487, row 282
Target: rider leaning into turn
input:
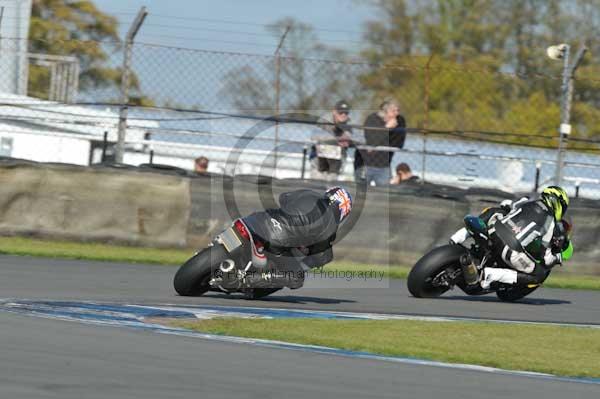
column 305, row 226
column 530, row 236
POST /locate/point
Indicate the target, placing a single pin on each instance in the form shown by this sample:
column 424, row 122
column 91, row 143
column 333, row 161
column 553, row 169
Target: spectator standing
column 403, row 174
column 201, row 165
column 383, row 128
column 332, row 142
column 359, row 166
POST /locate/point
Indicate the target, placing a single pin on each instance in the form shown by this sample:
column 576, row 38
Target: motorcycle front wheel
column 514, row 293
column 429, row 266
column 259, row 293
column 511, row 293
column 193, row 276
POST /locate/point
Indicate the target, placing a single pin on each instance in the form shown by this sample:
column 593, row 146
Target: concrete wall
column 152, row 208
column 94, row 204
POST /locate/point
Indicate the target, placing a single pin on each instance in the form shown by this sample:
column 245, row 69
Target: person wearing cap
column 332, row 140
column 385, row 128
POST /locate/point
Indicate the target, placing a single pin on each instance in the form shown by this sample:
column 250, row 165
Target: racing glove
column 506, row 205
column 551, row 259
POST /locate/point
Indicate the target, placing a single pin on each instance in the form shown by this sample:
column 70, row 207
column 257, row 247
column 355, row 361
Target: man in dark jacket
column 383, row 128
column 299, row 234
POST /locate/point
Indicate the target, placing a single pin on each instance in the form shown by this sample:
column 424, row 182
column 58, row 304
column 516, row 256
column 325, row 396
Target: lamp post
column 562, row 52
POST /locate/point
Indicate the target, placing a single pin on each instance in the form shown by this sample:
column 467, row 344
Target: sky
column 238, row 25
column 192, row 78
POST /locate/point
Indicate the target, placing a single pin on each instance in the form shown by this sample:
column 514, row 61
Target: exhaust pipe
column 470, row 272
column 227, row 265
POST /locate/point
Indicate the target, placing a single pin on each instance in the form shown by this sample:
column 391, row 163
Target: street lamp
column 562, row 52
column 558, row 51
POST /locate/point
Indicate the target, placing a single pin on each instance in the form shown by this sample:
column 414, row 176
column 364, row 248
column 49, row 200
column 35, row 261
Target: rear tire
column 193, row 276
column 430, row 265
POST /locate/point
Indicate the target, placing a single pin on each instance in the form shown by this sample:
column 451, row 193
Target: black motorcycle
column 452, row 265
column 235, row 261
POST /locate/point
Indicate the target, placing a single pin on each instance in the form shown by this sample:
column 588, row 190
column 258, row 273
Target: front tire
column 511, row 294
column 429, row 266
column 193, row 276
column 259, row 293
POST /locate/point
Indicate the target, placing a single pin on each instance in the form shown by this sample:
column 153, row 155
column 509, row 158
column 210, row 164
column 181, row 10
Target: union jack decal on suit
column 342, row 198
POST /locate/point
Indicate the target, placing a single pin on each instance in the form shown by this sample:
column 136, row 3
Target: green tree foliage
column 488, row 69
column 77, row 28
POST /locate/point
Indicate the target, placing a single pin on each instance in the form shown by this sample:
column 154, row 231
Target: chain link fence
column 467, row 124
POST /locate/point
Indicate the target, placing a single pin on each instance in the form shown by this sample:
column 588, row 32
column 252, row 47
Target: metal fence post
column 277, row 95
column 104, row 147
column 426, row 119
column 304, row 153
column 1, row 17
column 538, row 169
column 565, row 111
column 139, row 19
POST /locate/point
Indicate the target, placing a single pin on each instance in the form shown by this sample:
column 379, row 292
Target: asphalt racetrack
column 48, row 358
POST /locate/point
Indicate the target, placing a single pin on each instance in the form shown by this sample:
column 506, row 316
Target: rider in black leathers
column 299, row 234
column 529, row 236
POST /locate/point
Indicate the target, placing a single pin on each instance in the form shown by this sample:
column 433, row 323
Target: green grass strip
column 566, row 351
column 131, row 254
column 91, row 251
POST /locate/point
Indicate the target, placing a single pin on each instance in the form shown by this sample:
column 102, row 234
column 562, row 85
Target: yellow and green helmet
column 556, row 200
